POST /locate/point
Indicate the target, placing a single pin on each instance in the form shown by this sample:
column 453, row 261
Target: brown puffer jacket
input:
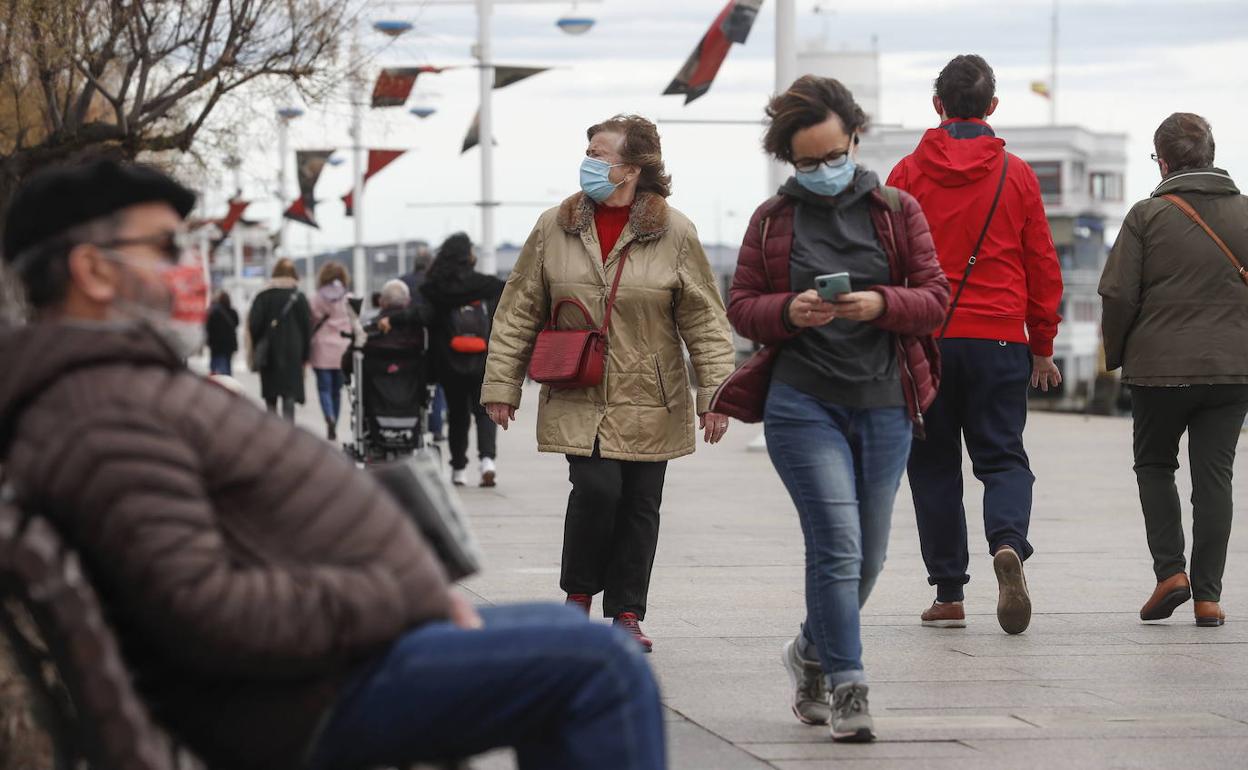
column 247, row 567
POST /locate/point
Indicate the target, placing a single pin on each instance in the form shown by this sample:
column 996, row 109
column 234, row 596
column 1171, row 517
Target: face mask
column 177, row 311
column 595, row 179
column 828, row 180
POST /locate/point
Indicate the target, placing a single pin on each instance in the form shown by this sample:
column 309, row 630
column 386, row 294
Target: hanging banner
column 731, row 26
column 474, row 134
column 505, row 76
column 303, row 212
column 235, row 213
column 377, row 160
column 394, row 84
column 308, row 167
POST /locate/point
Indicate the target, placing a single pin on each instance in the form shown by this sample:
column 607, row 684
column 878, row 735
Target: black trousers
column 288, row 406
column 983, row 398
column 463, row 405
column 612, row 530
column 1212, row 416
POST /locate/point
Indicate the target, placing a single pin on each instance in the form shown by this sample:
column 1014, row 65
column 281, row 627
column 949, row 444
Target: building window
column 1049, row 174
column 1104, row 186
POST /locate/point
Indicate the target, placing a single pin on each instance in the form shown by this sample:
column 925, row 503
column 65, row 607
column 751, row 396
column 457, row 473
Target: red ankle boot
column 629, row 622
column 581, row 601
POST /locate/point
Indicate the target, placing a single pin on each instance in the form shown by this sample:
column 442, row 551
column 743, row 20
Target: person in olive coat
column 281, row 315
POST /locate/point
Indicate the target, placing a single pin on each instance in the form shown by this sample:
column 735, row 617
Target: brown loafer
column 1209, row 615
column 944, row 615
column 1168, row 595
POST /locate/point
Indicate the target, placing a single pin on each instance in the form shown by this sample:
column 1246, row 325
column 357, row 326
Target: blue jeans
column 329, row 388
column 842, row 468
column 220, row 365
column 567, row 693
column 438, row 411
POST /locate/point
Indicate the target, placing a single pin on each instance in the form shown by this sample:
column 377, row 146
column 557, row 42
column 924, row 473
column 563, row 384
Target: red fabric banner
column 235, row 213
column 377, row 160
column 731, row 26
column 394, row 84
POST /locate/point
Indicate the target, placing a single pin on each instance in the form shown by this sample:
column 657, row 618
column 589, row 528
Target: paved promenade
column 1088, row 686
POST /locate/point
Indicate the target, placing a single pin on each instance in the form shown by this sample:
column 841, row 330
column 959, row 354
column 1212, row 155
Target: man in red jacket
column 993, row 241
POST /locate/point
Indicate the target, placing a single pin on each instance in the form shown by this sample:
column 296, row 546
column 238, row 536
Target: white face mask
column 177, row 312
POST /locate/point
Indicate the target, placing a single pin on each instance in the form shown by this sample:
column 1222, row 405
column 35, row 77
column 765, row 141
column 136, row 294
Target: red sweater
column 611, row 221
column 1016, row 287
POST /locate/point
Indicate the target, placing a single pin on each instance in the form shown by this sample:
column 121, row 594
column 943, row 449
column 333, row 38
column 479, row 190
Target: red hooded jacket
column 1016, row 287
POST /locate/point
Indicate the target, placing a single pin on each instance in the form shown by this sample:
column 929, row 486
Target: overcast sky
column 1124, row 65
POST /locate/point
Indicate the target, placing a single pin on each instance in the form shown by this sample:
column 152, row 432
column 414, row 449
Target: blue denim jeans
column 220, row 365
column 566, row 693
column 437, row 412
column 329, row 389
column 842, row 468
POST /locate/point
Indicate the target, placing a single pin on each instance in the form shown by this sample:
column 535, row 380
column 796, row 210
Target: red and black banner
column 731, row 26
column 377, row 160
column 505, row 76
column 394, row 84
column 235, row 213
column 308, row 167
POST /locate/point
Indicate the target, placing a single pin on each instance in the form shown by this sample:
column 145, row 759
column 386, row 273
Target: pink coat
column 330, row 317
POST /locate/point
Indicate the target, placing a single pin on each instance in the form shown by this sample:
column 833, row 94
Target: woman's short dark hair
column 966, row 86
column 808, row 102
column 641, row 147
column 1184, row 140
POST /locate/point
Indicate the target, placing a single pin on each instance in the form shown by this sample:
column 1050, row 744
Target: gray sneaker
column 851, row 721
column 810, row 691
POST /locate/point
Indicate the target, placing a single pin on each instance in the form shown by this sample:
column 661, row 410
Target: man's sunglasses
column 173, row 246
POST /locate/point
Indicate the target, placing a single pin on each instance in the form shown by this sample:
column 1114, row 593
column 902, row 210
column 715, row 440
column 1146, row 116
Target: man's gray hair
column 395, row 294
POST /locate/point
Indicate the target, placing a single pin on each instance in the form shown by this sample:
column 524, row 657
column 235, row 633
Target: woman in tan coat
column 619, row 435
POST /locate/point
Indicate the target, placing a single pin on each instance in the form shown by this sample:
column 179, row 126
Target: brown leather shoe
column 1168, row 595
column 944, row 615
column 1209, row 615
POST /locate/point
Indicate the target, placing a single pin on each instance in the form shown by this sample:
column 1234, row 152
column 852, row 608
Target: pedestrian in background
column 461, row 303
column 845, row 379
column 618, row 435
column 280, row 327
column 222, row 333
column 992, row 237
column 332, row 317
column 414, row 280
column 1176, row 320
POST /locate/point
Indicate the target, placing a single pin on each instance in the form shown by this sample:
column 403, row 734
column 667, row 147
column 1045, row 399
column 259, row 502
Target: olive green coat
column 644, row 409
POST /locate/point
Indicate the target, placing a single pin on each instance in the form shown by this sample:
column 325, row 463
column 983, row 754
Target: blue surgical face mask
column 595, row 178
column 828, row 180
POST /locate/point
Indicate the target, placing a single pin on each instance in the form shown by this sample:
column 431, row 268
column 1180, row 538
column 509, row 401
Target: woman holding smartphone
column 842, row 384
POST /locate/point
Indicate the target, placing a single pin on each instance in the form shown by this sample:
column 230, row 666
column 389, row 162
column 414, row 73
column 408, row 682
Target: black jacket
column 442, row 295
column 292, row 339
column 222, row 330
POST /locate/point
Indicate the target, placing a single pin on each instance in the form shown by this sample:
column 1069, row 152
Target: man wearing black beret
column 278, row 609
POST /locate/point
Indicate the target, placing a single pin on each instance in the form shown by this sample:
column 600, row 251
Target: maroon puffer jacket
column 915, row 301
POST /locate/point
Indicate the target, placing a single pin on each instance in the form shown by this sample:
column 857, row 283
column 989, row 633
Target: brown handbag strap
column 1187, row 209
column 615, row 287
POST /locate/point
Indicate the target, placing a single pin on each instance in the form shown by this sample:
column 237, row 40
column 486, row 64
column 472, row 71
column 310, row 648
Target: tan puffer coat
column 643, row 410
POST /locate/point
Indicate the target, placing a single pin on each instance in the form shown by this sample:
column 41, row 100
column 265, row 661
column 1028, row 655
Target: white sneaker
column 459, row 478
column 488, row 471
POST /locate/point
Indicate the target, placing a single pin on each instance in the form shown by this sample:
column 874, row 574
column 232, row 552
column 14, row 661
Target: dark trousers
column 566, row 693
column 1212, row 416
column 612, row 530
column 288, row 406
column 982, row 399
column 463, row 405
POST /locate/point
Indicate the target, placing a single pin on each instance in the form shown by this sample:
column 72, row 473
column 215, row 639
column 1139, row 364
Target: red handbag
column 575, row 358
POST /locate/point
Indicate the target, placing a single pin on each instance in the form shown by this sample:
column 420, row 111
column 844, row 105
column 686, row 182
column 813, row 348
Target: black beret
column 58, row 198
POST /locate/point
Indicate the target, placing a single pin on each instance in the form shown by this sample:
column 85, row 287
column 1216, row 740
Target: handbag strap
column 1186, row 208
column 970, row 263
column 290, row 303
column 615, row 287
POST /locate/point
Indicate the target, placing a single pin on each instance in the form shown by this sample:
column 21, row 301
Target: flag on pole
column 235, row 213
column 308, row 167
column 394, row 84
column 473, row 137
column 377, row 160
column 1041, row 88
column 505, row 76
column 731, row 26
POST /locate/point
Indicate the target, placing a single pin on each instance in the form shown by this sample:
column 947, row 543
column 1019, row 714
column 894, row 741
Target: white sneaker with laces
column 459, row 478
column 488, row 472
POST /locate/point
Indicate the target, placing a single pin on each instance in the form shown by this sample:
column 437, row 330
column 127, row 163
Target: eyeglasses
column 174, row 247
column 1154, row 157
column 833, row 159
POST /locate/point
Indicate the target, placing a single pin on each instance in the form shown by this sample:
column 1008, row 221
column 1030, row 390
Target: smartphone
column 832, row 284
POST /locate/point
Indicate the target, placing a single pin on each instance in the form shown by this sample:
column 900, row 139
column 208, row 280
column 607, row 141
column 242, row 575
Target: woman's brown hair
column 808, row 102
column 641, row 147
column 285, row 268
column 332, row 271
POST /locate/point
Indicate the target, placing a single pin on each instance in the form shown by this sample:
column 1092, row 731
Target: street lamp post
column 786, row 71
column 359, row 261
column 235, row 164
column 284, row 116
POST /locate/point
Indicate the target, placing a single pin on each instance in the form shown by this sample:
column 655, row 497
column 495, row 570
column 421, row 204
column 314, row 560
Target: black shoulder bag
column 260, row 352
column 970, row 263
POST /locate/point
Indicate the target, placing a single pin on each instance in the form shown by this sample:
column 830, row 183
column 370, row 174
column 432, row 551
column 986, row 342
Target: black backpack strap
column 970, row 263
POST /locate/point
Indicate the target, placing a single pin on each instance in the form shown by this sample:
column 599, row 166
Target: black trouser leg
column 1213, row 433
column 458, row 420
column 635, row 539
column 288, row 408
column 271, row 405
column 597, row 487
column 935, row 474
column 487, row 431
column 1160, row 416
